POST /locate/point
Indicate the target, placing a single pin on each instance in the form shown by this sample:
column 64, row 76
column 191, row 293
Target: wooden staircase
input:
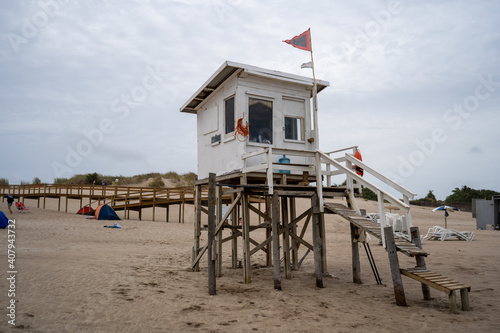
column 372, row 228
column 412, row 249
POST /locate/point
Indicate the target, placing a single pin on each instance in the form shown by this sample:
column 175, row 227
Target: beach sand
column 74, row 275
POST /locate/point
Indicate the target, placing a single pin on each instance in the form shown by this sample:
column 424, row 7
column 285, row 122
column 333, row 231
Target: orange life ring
column 358, row 169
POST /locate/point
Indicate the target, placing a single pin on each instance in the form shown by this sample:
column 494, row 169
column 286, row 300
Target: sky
column 96, row 86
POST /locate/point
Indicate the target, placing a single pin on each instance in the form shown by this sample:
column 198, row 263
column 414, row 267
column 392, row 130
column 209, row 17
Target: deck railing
column 332, row 167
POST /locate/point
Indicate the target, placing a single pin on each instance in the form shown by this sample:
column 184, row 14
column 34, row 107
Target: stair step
column 403, row 246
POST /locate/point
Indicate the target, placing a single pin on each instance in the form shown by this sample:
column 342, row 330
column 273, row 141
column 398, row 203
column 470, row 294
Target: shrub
column 157, row 182
column 4, row 181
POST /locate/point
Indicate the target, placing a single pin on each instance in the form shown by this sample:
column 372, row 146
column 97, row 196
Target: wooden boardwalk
column 120, row 198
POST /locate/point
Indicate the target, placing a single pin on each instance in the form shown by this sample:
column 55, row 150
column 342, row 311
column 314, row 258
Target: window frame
column 302, row 129
column 225, row 115
column 264, row 99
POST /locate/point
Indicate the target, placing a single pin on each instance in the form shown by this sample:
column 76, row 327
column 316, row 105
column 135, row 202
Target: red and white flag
column 302, row 41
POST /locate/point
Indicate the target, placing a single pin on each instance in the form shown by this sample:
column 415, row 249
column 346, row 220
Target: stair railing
column 381, row 194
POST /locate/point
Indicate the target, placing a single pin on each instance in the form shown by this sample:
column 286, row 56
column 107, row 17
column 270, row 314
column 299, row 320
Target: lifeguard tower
column 258, row 151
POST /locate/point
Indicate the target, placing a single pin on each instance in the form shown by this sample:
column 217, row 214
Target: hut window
column 229, row 114
column 260, row 119
column 294, row 128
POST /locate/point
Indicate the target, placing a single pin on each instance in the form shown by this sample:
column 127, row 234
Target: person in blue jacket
column 10, row 200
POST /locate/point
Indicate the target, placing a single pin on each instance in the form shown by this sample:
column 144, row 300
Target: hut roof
column 228, row 68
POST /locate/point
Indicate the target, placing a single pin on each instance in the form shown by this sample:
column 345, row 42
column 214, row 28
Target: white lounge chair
column 438, row 233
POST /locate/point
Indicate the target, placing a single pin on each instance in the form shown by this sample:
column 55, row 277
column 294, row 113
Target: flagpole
column 315, row 98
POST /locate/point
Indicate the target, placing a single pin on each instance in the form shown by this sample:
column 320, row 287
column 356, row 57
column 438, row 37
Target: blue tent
column 4, row 221
column 104, row 212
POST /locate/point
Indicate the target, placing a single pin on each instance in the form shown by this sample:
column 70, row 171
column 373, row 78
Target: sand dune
column 76, row 276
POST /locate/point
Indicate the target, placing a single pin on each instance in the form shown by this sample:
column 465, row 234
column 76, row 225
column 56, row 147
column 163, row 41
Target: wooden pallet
column 444, row 284
column 403, row 246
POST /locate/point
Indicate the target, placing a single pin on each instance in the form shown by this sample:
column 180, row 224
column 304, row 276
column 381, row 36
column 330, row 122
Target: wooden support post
column 399, row 292
column 415, row 238
column 323, row 243
column 168, row 212
column 356, row 267
column 211, row 229
column 452, row 297
column 464, row 297
column 154, row 204
column 295, row 244
column 235, row 218
column 286, row 238
column 58, row 203
column 66, row 208
column 183, row 204
column 140, row 213
column 180, row 213
column 317, row 242
column 276, row 241
column 197, row 226
column 219, row 235
column 246, row 237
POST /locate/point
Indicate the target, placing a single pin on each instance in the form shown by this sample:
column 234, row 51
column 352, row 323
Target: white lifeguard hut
column 275, row 105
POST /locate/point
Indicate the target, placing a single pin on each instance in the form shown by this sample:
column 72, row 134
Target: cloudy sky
column 97, row 85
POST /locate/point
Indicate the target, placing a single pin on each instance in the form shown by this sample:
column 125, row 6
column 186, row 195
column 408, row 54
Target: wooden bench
column 444, row 284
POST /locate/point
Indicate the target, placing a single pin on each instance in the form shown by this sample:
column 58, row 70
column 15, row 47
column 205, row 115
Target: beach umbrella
column 446, row 209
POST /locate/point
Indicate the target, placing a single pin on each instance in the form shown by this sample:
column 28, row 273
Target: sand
column 73, row 275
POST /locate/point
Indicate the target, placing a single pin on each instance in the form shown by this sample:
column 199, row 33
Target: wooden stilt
column 286, row 238
column 399, row 292
column 218, row 237
column 324, row 268
column 295, row 244
column 246, row 238
column 356, row 267
column 168, row 213
column 235, row 218
column 317, row 243
column 211, row 229
column 276, row 239
column 269, row 256
column 197, row 226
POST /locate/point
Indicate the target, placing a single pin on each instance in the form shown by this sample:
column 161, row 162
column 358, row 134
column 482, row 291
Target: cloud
column 475, row 150
column 386, row 92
